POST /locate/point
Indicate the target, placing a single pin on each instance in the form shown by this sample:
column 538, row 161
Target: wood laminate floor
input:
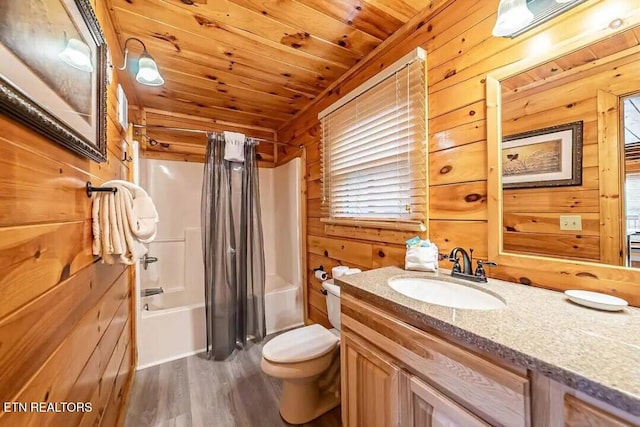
column 196, row 392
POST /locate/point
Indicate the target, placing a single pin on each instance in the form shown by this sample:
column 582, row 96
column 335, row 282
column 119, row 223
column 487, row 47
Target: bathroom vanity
column 538, row 361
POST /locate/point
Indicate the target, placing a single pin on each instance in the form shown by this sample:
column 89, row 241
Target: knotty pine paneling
column 65, row 318
column 189, row 146
column 460, row 53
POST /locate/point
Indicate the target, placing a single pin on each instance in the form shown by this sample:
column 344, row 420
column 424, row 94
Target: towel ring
column 91, row 189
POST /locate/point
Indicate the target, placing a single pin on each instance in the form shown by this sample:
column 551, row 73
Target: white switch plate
column 570, row 222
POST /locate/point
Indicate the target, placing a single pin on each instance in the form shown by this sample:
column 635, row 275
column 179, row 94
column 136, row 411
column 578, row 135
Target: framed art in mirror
column 53, row 72
column 548, row 157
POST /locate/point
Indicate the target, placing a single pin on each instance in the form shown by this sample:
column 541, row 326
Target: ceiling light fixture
column 148, row 73
column 513, row 16
column 519, row 16
column 78, row 55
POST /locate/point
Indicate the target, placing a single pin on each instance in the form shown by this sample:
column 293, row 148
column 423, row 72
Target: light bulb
column 148, row 73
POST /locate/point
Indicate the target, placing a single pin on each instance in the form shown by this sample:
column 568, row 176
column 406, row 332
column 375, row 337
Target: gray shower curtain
column 233, row 250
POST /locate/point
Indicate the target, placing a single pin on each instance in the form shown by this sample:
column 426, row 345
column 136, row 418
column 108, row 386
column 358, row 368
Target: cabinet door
column 578, row 413
column 370, row 385
column 427, row 407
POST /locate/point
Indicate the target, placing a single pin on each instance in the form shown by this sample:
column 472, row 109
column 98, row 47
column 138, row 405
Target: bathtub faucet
column 151, row 291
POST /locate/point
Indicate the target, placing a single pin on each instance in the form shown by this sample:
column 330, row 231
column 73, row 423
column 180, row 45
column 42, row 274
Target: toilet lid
column 300, row 345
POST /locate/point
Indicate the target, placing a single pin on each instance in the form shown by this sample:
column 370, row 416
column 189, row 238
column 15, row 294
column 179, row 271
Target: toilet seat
column 300, row 345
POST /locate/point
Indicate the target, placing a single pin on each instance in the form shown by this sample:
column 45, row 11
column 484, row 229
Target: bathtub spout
column 151, row 291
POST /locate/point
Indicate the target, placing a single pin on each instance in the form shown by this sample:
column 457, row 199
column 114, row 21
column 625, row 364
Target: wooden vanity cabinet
column 556, row 405
column 370, row 385
column 424, row 406
column 394, row 374
column 578, row 413
column 378, row 393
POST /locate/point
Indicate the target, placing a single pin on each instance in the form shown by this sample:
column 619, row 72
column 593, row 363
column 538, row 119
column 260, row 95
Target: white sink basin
column 445, row 293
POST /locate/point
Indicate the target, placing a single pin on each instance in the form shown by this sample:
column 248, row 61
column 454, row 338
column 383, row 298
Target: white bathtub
column 283, row 304
column 174, row 326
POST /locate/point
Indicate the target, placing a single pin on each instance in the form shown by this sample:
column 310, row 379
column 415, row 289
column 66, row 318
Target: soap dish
column 596, row 300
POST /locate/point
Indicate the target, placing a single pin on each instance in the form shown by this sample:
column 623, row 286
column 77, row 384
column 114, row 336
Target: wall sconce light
column 519, row 16
column 78, row 55
column 148, row 73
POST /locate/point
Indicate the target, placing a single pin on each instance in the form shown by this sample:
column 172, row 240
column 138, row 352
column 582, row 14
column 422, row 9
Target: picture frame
column 548, row 157
column 53, row 75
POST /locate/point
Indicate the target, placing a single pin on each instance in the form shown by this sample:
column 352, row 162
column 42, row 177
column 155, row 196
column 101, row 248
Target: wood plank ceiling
column 252, row 62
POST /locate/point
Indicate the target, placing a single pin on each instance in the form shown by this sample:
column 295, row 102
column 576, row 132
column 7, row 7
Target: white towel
column 122, row 222
column 234, row 146
column 421, row 259
column 142, row 215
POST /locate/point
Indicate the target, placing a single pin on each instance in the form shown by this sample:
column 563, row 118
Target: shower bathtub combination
column 171, row 325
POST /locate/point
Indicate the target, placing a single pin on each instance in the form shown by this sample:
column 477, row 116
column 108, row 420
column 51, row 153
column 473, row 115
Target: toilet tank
column 333, row 302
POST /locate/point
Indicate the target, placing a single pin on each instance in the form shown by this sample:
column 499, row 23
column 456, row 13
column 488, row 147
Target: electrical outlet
column 570, row 222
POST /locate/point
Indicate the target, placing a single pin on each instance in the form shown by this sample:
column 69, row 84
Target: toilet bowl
column 307, row 360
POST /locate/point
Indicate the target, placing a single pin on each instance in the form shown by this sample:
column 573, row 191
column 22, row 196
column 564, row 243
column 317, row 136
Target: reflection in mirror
column 631, row 106
column 571, row 155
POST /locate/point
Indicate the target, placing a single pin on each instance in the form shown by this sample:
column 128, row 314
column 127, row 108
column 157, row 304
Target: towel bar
column 91, row 189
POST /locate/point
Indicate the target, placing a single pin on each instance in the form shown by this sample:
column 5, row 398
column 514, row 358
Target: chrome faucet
column 466, row 272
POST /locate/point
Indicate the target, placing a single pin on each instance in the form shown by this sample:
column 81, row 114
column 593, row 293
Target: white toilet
column 307, row 360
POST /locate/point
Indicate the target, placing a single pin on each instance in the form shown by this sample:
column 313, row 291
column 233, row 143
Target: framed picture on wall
column 549, row 157
column 53, row 72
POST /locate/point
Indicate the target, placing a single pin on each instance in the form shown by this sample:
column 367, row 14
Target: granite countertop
column 592, row 351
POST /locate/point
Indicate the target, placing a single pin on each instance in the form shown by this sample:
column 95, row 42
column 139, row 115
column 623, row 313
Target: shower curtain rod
column 200, row 131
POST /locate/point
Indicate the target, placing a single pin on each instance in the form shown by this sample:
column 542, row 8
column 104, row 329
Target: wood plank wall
column 460, row 53
column 65, row 318
column 191, row 146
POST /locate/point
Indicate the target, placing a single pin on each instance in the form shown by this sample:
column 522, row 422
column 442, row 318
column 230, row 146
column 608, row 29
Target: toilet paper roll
column 322, row 275
column 339, row 271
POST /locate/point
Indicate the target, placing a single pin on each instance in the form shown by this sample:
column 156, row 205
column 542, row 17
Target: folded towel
column 234, row 146
column 421, row 259
column 142, row 215
column 122, row 222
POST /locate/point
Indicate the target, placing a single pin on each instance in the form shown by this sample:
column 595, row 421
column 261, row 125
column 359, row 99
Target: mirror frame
column 537, row 270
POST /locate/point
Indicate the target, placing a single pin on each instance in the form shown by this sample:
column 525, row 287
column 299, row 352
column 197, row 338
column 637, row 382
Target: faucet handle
column 480, row 270
column 455, row 261
column 443, row 257
column 489, row 263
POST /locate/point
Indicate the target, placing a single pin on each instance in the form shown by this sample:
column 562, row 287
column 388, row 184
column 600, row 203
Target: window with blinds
column 374, row 154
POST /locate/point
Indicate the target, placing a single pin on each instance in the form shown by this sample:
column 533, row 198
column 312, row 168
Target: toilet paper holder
column 320, row 274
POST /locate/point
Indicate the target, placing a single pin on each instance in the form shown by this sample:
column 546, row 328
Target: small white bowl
column 596, row 300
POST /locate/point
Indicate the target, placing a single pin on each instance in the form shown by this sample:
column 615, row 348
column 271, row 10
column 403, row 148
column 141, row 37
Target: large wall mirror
column 564, row 164
column 571, row 155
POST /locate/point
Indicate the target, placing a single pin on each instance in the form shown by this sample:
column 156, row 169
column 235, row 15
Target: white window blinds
column 374, row 154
